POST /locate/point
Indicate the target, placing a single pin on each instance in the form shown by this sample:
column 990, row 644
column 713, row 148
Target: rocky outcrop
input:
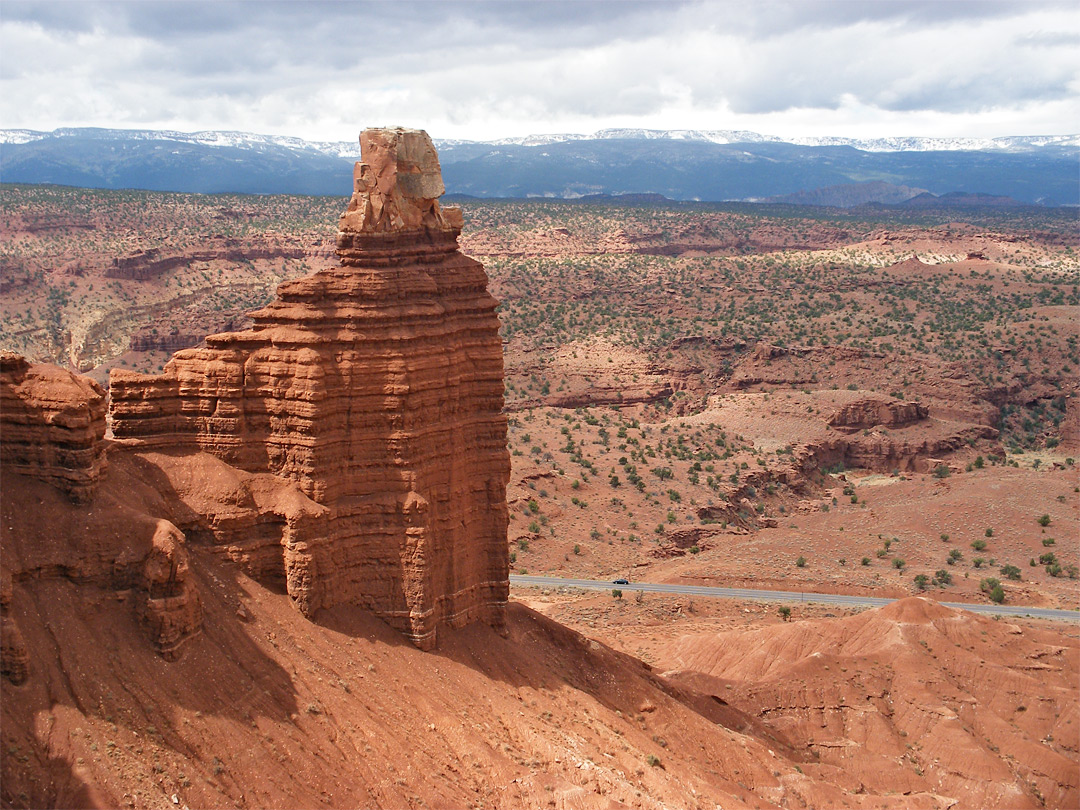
column 53, row 425
column 166, row 600
column 376, row 387
column 892, row 453
column 147, row 264
column 873, row 412
column 14, row 655
column 1070, row 425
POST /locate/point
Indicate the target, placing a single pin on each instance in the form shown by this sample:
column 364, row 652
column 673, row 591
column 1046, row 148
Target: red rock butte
column 376, row 389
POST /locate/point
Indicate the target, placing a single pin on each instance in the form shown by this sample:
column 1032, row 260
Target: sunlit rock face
column 376, row 386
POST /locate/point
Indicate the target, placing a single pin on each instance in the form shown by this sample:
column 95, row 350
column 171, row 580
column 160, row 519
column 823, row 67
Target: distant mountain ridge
column 680, row 164
column 721, row 136
column 850, row 195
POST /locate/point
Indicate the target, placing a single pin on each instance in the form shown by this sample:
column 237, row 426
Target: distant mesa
column 960, row 199
column 851, row 195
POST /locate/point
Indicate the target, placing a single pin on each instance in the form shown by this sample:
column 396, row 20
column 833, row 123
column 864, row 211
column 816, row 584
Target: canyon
column 295, row 534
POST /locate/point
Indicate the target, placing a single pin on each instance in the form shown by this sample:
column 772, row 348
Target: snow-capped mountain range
column 679, row 164
column 351, row 149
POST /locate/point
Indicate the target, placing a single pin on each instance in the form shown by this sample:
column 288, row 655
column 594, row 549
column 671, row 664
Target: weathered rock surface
column 377, row 388
column 14, row 656
column 983, row 741
column 147, row 264
column 873, row 412
column 119, row 542
column 53, row 425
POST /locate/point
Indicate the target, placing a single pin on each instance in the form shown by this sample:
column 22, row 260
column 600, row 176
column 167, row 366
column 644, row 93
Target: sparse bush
column 616, row 593
column 865, row 560
column 898, row 563
column 942, row 578
column 921, row 581
column 1010, row 572
column 988, row 584
column 1043, row 520
column 801, row 562
column 978, row 545
column 784, row 611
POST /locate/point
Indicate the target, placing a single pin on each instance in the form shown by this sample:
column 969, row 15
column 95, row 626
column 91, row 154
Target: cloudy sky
column 483, row 70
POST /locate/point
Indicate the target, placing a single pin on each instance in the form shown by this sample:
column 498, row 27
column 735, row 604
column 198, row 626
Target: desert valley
column 267, row 472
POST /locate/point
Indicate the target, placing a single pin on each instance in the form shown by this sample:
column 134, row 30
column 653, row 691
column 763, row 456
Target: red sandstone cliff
column 375, row 386
column 63, row 520
column 53, row 425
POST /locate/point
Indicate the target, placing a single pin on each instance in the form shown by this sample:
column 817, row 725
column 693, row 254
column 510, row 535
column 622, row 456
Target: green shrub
column 801, row 562
column 1010, row 572
column 1043, row 520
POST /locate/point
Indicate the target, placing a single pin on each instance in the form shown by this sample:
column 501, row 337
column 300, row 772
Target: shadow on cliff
column 538, row 654
column 92, row 663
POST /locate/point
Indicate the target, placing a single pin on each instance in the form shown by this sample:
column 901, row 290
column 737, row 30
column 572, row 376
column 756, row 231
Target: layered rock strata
column 60, row 520
column 52, row 425
column 376, row 386
column 874, row 412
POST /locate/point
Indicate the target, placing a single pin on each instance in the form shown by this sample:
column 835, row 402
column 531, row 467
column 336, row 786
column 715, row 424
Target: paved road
column 784, row 596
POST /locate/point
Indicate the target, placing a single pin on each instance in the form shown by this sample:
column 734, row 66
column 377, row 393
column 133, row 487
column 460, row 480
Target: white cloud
column 486, row 70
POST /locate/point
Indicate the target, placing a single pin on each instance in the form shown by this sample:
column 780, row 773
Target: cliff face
column 60, row 521
column 376, row 387
column 53, row 425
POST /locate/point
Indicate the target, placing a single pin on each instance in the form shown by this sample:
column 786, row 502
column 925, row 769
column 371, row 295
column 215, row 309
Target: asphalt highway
column 783, row 596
